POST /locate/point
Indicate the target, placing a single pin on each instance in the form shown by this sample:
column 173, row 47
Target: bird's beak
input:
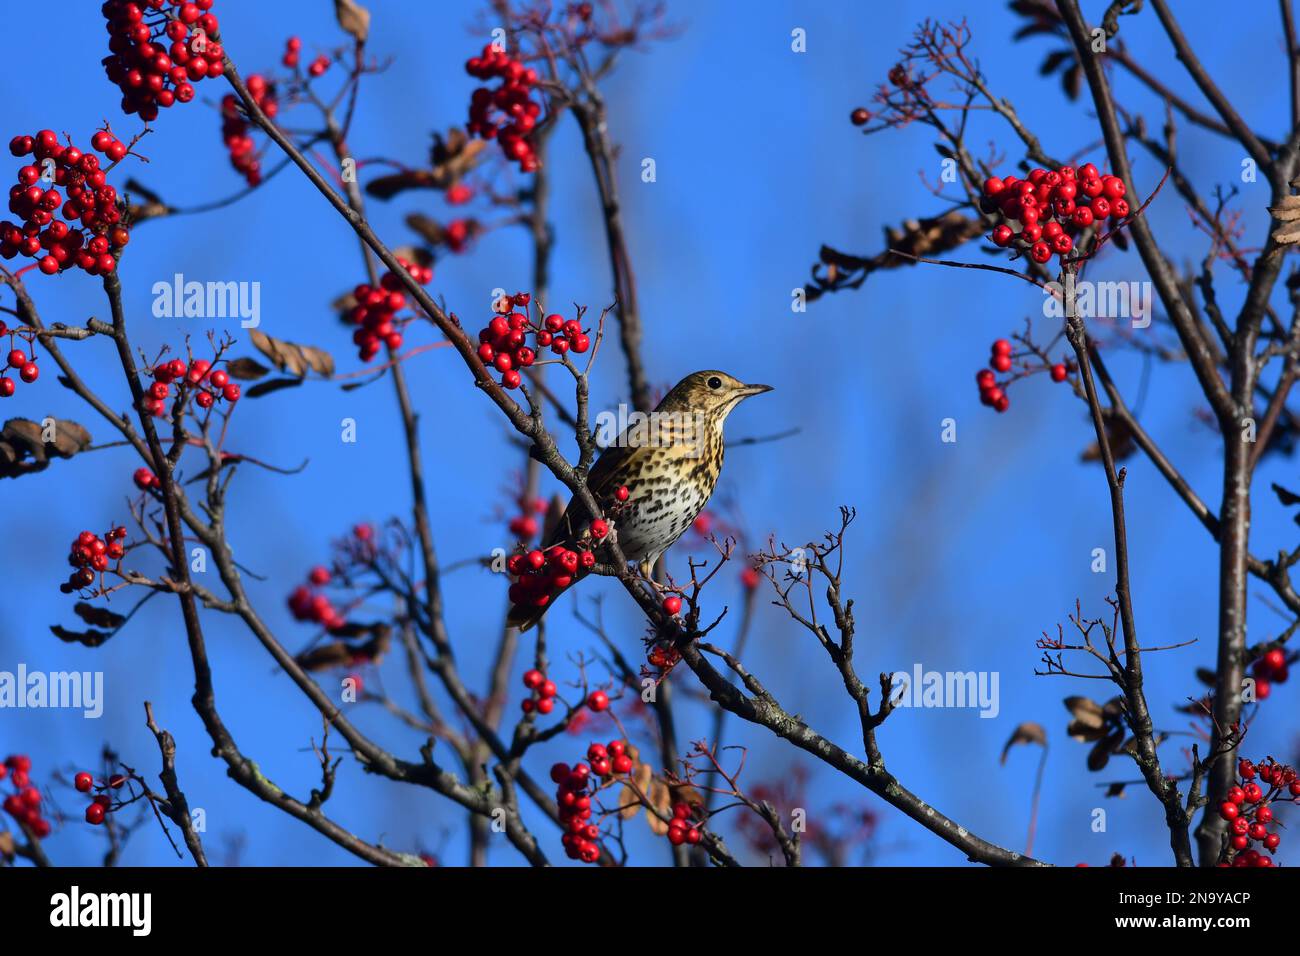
column 749, row 390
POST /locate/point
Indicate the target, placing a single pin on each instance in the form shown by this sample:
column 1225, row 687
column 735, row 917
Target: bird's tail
column 528, row 612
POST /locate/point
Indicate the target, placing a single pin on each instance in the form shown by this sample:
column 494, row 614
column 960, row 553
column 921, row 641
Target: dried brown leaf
column 246, row 369
column 451, row 158
column 98, row 616
column 1084, row 709
column 86, row 638
column 1027, row 733
column 353, row 18
column 291, row 357
column 23, row 448
column 1288, row 210
column 662, row 800
column 1287, row 235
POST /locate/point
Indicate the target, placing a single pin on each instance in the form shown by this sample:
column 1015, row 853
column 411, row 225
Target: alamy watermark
column 179, row 299
column 922, row 688
column 629, row 428
column 1105, row 300
column 64, row 689
column 133, row 911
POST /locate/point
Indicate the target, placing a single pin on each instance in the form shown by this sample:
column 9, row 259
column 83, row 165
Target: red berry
column 673, row 604
column 598, row 701
column 1059, row 371
column 83, row 782
column 1228, row 810
column 95, row 814
column 533, row 679
column 29, row 372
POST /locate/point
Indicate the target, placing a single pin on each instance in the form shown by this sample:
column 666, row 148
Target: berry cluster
column 544, row 691
column 1052, row 206
column 318, row 66
column 1249, row 810
column 524, row 525
column 292, row 47
column 91, row 555
column 208, row 385
column 145, row 479
column 307, row 604
column 375, row 310
column 150, row 74
column 992, row 392
column 682, row 829
column 91, row 200
column 512, row 100
column 102, row 802
column 539, row 574
column 503, row 342
column 235, row 128
column 1268, row 670
column 663, row 657
column 24, row 804
column 19, row 360
column 573, row 796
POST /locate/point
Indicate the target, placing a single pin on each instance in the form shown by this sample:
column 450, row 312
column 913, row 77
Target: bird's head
column 712, row 393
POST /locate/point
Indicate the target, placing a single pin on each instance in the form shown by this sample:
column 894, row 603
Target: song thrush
column 668, row 461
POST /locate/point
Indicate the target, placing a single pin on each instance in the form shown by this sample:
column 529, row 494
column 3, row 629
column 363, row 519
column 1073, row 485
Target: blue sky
column 962, row 553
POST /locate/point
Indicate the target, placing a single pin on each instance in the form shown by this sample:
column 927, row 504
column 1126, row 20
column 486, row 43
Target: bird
column 668, row 462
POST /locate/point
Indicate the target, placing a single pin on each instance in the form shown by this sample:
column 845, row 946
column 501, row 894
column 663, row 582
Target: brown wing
column 602, row 481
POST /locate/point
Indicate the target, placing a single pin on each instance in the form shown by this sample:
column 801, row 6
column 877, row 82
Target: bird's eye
column 715, row 382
